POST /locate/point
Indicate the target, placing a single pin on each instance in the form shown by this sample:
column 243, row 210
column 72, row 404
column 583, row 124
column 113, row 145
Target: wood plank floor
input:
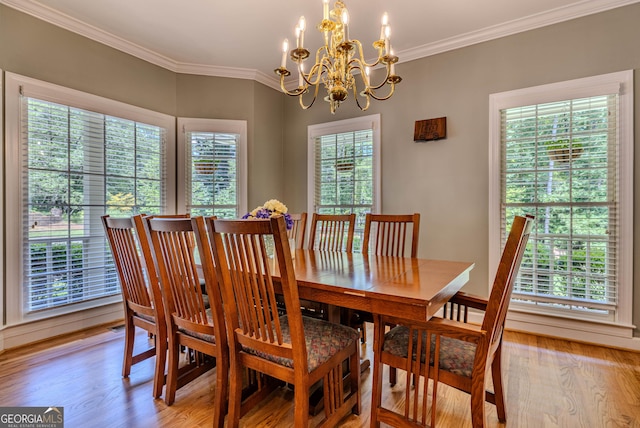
column 549, row 383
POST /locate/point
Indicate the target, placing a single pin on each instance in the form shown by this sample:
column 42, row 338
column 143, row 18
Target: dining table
column 409, row 288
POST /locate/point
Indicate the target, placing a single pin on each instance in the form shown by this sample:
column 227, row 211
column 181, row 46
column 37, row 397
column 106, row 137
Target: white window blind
column 78, row 165
column 212, row 187
column 560, row 163
column 212, row 167
column 345, row 178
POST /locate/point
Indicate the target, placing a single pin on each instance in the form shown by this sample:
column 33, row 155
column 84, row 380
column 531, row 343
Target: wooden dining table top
column 409, row 288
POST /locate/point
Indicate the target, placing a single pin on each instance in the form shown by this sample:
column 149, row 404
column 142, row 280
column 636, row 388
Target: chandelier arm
column 317, row 70
column 375, row 97
column 384, row 81
column 355, row 64
column 296, row 92
column 365, row 95
column 359, row 65
column 361, row 55
column 313, row 100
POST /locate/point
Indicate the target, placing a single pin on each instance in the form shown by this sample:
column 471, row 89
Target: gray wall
column 447, row 180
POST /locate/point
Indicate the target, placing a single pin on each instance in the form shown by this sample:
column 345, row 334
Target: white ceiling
column 243, row 38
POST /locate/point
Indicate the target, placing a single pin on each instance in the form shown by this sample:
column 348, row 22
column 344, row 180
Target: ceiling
column 243, row 38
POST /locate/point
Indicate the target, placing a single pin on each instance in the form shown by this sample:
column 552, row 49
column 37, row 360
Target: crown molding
column 576, row 10
column 235, row 73
column 555, row 16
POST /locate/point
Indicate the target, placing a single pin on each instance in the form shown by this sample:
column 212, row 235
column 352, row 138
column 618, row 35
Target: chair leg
column 235, row 393
column 220, row 400
column 354, row 376
column 478, row 414
column 393, row 376
column 161, row 360
column 436, row 377
column 300, row 406
column 496, row 374
column 172, row 372
column 129, row 338
column 376, row 393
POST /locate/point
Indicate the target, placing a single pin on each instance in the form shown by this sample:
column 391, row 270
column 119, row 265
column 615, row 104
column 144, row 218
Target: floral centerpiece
column 271, row 208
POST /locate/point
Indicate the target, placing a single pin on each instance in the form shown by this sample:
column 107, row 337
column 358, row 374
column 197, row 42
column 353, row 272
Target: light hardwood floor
column 549, row 383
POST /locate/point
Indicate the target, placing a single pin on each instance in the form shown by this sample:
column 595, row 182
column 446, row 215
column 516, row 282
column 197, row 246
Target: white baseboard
column 24, row 334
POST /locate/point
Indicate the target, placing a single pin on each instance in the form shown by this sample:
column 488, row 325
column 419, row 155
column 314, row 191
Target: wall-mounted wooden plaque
column 430, row 129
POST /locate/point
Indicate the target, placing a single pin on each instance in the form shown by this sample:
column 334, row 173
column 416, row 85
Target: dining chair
column 391, row 234
column 298, row 234
column 328, row 232
column 451, row 350
column 142, row 300
column 332, row 232
column 189, row 322
column 298, row 231
column 386, row 235
column 300, row 351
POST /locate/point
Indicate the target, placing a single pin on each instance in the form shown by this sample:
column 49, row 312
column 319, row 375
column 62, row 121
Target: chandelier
column 338, row 62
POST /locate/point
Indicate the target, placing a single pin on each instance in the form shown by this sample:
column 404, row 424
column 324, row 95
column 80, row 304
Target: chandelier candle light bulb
column 385, row 22
column 285, row 49
column 345, row 22
column 339, row 64
column 301, row 26
column 387, row 35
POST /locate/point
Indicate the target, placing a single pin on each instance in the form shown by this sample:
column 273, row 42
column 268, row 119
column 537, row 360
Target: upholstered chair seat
column 456, row 356
column 323, row 340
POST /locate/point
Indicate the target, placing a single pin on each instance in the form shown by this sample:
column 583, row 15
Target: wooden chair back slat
column 298, row 231
column 174, row 244
column 392, row 234
column 506, row 274
column 121, row 235
column 332, row 232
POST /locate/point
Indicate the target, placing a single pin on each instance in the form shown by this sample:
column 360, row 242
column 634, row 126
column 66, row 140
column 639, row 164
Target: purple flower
column 288, row 220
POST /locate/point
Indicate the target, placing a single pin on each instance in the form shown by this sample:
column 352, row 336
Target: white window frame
column 347, row 125
column 45, row 91
column 239, row 127
column 568, row 326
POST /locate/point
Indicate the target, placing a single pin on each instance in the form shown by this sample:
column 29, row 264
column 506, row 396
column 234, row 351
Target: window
column 214, row 166
column 562, row 152
column 78, row 157
column 344, row 168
